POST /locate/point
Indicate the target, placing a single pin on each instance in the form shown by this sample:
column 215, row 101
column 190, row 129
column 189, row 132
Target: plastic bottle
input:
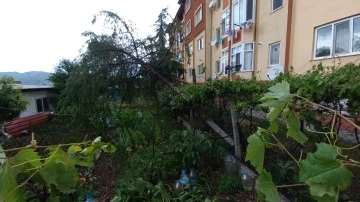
column 184, row 178
column 90, row 198
column 192, row 176
column 247, row 181
column 230, row 165
column 178, row 186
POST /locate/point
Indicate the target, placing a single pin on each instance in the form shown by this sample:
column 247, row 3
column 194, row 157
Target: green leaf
column 8, row 183
column 108, row 148
column 2, row 156
column 324, row 173
column 73, row 149
column 97, row 140
column 274, row 126
column 59, row 170
column 293, row 127
column 277, row 99
column 256, row 148
column 26, row 159
column 266, row 187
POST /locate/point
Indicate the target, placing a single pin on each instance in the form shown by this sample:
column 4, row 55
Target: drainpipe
column 233, row 114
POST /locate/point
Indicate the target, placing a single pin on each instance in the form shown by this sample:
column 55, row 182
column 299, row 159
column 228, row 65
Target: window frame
column 224, row 60
column 217, row 65
column 272, row 6
column 218, row 4
column 243, row 5
column 42, row 101
column 242, row 55
column 278, row 42
column 187, row 5
column 225, row 16
column 197, row 22
column 333, row 34
column 198, row 68
column 190, row 72
column 218, row 33
column 186, row 26
column 200, row 41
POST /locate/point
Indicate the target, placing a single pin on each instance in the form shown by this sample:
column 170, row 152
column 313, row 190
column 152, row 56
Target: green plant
column 318, row 169
column 48, row 168
column 230, row 184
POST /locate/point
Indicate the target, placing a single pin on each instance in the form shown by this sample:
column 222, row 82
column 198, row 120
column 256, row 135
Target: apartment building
column 251, row 36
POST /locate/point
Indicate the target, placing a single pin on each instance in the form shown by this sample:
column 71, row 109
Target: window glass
column 39, row 105
column 356, row 35
column 324, row 41
column 274, row 53
column 277, row 4
column 342, row 37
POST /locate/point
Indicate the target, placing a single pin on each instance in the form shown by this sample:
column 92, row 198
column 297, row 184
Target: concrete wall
column 32, row 96
column 271, row 27
column 309, row 14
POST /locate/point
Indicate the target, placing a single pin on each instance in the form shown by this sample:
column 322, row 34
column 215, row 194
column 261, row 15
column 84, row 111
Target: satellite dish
column 274, row 71
column 213, row 41
column 213, row 76
column 211, row 4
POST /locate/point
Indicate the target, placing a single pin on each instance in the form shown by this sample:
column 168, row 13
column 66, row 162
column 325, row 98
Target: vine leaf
column 59, row 170
column 277, row 99
column 73, row 149
column 293, row 126
column 324, row 173
column 256, row 148
column 26, row 155
column 8, row 183
column 267, row 190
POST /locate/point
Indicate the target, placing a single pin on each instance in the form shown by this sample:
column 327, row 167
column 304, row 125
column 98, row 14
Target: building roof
column 32, row 87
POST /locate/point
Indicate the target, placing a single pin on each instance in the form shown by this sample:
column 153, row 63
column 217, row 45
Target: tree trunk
column 234, row 120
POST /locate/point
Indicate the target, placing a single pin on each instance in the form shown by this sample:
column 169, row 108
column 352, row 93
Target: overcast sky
column 36, row 34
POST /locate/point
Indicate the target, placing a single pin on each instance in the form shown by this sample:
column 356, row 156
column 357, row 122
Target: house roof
column 25, row 87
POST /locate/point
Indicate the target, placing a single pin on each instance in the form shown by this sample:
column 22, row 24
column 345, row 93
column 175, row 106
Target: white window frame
column 224, row 60
column 217, row 64
column 200, row 43
column 197, row 21
column 242, row 56
column 200, row 67
column 272, row 6
column 218, row 4
column 278, row 42
column 188, row 31
column 191, row 50
column 225, row 17
column 190, row 72
column 187, row 5
column 332, row 51
column 242, row 9
column 42, row 104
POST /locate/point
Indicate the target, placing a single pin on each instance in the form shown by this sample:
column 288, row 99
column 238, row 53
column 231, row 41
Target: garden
column 125, row 129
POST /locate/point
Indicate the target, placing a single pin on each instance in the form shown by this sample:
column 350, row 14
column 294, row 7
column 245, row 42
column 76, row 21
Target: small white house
column 38, row 96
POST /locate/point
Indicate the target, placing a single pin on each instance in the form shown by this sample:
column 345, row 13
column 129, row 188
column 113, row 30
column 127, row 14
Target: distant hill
column 33, row 77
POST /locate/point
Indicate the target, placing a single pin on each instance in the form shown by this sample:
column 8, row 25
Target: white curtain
column 248, row 57
column 236, row 15
column 242, row 11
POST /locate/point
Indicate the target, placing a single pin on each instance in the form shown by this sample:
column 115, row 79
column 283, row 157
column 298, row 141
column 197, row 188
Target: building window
column 224, row 60
column 235, row 57
column 190, row 72
column 242, row 57
column 43, row 105
column 276, row 4
column 248, row 57
column 201, row 43
column 274, row 55
column 218, row 4
column 243, row 10
column 218, row 33
column 190, row 50
column 200, row 69
column 225, row 22
column 337, row 39
column 188, row 28
column 180, row 56
column 180, row 38
column 236, row 14
column 217, row 66
column 187, row 5
column 198, row 16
